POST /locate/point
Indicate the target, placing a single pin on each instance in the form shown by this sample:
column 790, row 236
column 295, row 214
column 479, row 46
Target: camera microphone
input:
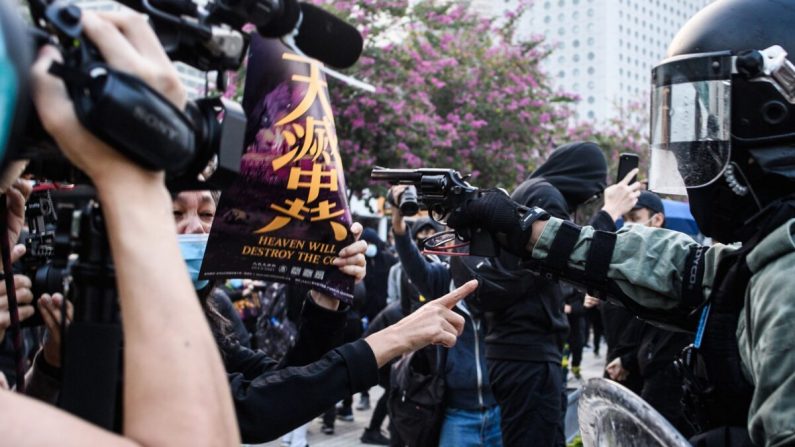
column 317, row 33
column 320, row 34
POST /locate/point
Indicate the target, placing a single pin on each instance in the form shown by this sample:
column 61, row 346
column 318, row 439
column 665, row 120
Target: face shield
column 690, row 122
column 691, row 113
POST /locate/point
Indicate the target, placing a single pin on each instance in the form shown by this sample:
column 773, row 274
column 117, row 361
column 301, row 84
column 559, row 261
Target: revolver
column 441, row 191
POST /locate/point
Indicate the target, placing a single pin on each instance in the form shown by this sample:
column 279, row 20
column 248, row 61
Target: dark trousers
column 379, row 413
column 594, row 321
column 331, row 414
column 663, row 391
column 577, row 337
column 531, row 399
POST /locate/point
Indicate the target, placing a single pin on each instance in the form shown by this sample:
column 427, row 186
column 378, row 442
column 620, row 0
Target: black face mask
column 719, row 212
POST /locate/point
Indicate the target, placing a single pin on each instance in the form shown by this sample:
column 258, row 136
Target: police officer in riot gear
column 723, row 132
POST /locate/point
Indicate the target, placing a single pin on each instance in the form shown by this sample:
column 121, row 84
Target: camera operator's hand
column 433, row 323
column 351, row 262
column 498, row 214
column 621, row 197
column 22, row 285
column 50, row 310
column 127, row 43
column 398, row 223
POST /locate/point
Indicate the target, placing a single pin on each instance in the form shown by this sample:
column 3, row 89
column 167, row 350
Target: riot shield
column 613, row 416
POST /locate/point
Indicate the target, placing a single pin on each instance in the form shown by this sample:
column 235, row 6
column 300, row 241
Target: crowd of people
column 484, row 344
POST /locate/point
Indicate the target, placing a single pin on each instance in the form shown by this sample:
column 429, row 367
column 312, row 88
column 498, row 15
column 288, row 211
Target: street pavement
column 347, row 434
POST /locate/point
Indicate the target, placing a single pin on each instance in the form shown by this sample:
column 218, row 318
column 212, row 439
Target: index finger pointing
column 458, row 294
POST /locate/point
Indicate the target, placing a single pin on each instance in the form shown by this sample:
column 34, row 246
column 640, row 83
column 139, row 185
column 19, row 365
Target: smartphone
column 626, row 163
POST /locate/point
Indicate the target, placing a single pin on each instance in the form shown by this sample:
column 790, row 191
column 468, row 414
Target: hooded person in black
column 379, row 261
column 526, row 326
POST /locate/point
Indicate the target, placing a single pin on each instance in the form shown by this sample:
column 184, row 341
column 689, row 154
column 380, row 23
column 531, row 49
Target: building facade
column 603, row 49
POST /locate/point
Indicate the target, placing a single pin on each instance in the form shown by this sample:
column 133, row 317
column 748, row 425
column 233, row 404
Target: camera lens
column 408, row 202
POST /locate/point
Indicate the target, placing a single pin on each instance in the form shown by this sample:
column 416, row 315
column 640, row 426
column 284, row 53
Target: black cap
column 650, row 201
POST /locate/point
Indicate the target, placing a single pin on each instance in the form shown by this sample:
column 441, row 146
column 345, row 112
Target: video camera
column 199, row 148
column 206, row 140
column 440, row 191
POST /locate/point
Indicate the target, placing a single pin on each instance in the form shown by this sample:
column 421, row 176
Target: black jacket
column 531, row 325
column 272, row 398
column 466, row 380
column 377, row 275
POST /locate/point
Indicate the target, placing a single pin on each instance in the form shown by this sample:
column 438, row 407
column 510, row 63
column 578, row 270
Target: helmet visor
column 690, row 123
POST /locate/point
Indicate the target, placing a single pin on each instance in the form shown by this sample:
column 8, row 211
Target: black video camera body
column 130, row 116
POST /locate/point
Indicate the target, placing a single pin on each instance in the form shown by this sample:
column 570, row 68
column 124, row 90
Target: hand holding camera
column 128, row 44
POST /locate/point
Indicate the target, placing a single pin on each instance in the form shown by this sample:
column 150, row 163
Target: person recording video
column 174, row 389
column 175, row 392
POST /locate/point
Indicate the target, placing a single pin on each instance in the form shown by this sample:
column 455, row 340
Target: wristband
column 533, row 214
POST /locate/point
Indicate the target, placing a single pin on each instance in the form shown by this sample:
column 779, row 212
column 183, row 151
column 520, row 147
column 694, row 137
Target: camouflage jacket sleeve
column 765, row 339
column 648, row 269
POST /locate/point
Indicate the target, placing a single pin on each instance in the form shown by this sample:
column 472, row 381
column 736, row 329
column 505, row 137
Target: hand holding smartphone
column 626, row 163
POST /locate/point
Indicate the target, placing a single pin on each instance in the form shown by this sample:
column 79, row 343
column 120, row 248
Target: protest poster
column 286, row 217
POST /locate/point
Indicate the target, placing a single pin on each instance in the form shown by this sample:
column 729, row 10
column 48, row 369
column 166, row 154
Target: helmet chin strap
column 737, row 187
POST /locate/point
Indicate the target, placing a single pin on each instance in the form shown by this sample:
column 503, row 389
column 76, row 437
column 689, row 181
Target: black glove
column 495, row 212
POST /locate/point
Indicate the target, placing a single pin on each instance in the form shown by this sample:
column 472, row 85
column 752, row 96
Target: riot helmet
column 723, row 113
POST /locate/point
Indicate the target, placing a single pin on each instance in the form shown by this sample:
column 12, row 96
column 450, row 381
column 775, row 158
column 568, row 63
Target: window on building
column 591, row 100
column 591, row 114
column 576, row 43
column 591, row 70
column 590, row 56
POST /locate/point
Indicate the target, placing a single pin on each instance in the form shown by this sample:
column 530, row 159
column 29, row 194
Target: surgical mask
column 192, row 247
column 645, row 223
column 235, row 283
column 371, row 251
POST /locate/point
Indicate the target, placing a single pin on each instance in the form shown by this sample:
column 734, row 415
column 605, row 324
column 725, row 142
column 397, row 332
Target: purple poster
column 286, row 217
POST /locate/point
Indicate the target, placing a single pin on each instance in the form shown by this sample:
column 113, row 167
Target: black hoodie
column 532, row 325
column 577, row 170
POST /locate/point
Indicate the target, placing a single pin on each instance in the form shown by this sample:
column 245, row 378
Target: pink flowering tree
column 453, row 90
